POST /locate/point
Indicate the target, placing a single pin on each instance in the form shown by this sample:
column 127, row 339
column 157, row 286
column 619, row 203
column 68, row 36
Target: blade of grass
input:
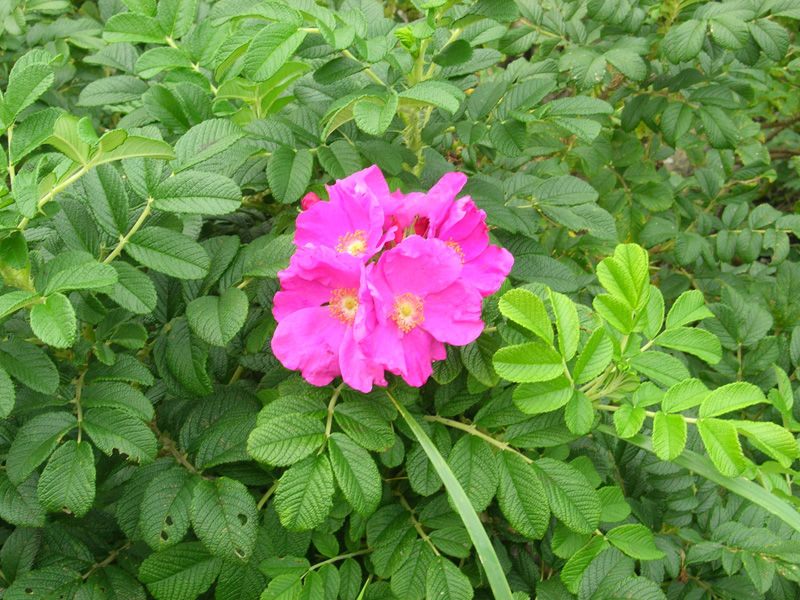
column 703, row 466
column 491, row 564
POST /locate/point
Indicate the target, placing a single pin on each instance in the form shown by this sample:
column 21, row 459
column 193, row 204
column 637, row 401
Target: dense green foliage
column 624, row 428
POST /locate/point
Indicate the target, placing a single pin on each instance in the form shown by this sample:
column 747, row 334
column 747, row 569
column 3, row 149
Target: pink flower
column 352, row 222
column 309, row 200
column 420, row 303
column 323, row 295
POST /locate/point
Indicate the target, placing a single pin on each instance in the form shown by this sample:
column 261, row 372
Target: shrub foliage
column 625, row 426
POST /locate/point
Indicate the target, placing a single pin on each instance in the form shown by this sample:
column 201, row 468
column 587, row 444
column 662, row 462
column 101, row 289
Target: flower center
column 354, row 243
column 344, row 304
column 408, row 312
column 457, row 248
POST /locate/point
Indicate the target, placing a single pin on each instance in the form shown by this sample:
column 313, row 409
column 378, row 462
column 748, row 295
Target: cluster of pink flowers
column 382, row 281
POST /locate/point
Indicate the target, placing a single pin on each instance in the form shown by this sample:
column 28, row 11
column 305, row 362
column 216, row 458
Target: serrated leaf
column 594, row 357
column 477, row 359
column 445, row 580
column 626, row 276
column 134, row 291
column 689, row 307
column 25, row 86
column 19, row 504
column 216, row 319
column 68, row 480
column 579, row 414
column 197, row 193
column 54, row 322
column 434, row 92
column 669, row 435
column 722, row 445
column 522, row 497
column 29, row 365
column 365, row 426
column 684, row 395
column 75, row 270
column 527, row 309
column 572, row 498
column 305, row 494
column 165, row 508
column 169, row 252
column 771, row 37
column 134, row 28
column 34, row 443
column 729, row 31
column 203, row 142
column 542, row 397
column 271, row 48
column 112, row 429
column 636, row 541
column 289, row 173
column 286, row 440
column 52, row 582
column 628, row 63
column 374, row 118
column 683, row 42
column 676, row 120
column 567, row 324
column 703, row 344
column 772, row 439
column 474, row 465
column 564, row 191
column 225, row 518
column 573, row 570
column 527, row 363
column 408, row 582
column 660, row 367
column 628, row 420
column 356, row 474
column 8, row 394
column 731, row 397
column 182, row 572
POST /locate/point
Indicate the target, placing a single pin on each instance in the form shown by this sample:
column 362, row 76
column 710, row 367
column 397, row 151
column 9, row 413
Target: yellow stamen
column 354, row 243
column 408, row 312
column 344, row 304
column 457, row 248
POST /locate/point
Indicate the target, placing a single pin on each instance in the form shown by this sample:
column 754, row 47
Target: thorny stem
column 267, row 495
column 418, row 525
column 123, row 239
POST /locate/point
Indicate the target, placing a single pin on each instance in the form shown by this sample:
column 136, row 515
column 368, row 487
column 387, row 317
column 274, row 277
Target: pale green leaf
column 68, row 480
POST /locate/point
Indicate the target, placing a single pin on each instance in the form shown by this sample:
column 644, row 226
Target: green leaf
column 573, row 570
column 543, row 397
column 176, row 16
column 626, row 276
column 628, row 63
column 374, row 118
column 636, row 541
column 579, row 413
column 669, row 435
column 445, row 580
column 722, row 445
column 14, row 251
column 567, row 324
column 54, row 322
column 365, row 426
column 8, row 394
column 203, row 142
column 594, row 357
column 33, row 131
column 772, row 439
column 29, row 365
column 337, row 69
column 455, row 53
column 68, row 480
column 156, row 60
column 683, row 42
column 771, row 37
column 527, row 309
column 720, row 131
column 270, row 49
column 117, row 89
column 676, row 120
column 491, row 564
column 527, row 363
column 408, row 582
column 197, row 193
column 13, row 301
column 477, row 359
column 52, row 582
column 564, row 191
column 182, row 572
column 134, row 28
column 186, row 357
column 225, row 518
column 628, row 420
column 75, row 270
column 703, row 344
column 729, row 31
column 34, row 443
column 731, row 397
column 433, row 92
column 19, row 504
column 688, row 308
column 134, row 291
column 285, row 440
column 169, row 252
column 660, row 367
column 112, row 429
column 289, row 173
column 475, row 467
column 521, row 496
column 615, row 506
column 356, row 474
column 25, row 86
column 165, row 508
column 684, row 395
column 305, row 494
column 572, row 498
column 216, row 319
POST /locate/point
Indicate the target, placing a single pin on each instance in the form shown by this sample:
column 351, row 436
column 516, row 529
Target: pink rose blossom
column 309, row 200
column 352, row 222
column 321, row 298
column 420, row 304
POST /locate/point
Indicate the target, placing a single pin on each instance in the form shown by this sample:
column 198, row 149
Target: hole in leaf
column 239, row 552
column 243, row 519
column 164, row 535
column 29, row 591
column 168, row 521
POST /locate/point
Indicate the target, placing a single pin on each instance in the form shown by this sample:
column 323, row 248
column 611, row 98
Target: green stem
column 651, row 414
column 337, row 559
column 49, row 195
column 331, row 408
column 267, row 495
column 123, row 239
column 472, row 430
column 368, row 71
column 418, row 526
